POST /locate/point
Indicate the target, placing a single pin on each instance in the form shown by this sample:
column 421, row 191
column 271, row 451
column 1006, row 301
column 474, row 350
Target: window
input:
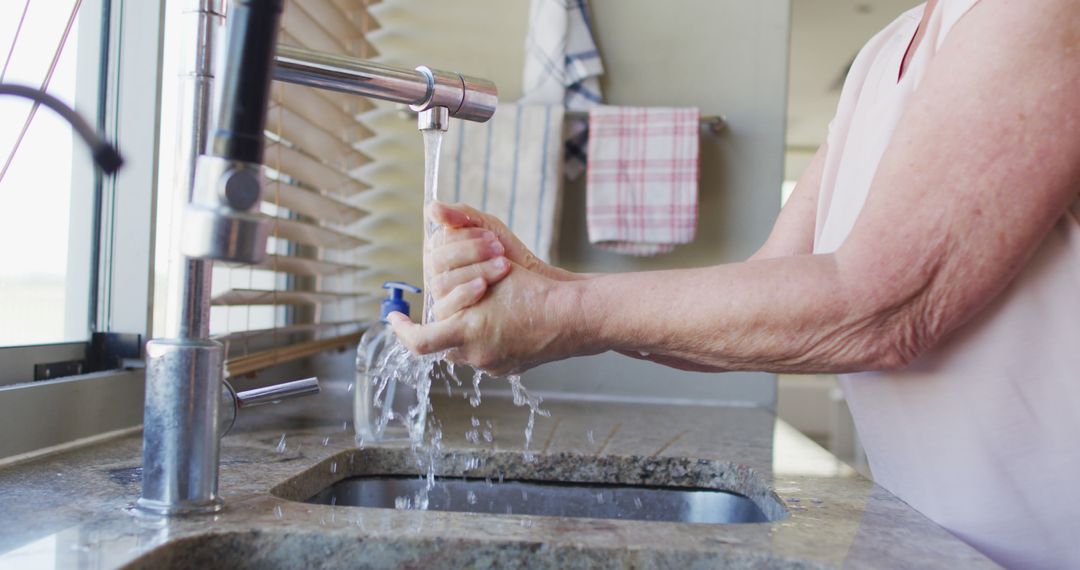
column 47, row 181
column 87, row 239
column 77, row 255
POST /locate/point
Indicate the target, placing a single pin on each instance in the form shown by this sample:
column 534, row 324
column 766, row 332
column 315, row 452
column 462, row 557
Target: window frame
column 17, row 362
column 122, row 262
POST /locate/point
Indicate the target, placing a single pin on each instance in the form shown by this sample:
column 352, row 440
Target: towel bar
column 716, row 124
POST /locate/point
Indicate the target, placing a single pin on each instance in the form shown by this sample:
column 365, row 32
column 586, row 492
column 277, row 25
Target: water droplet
column 333, row 467
column 326, row 441
column 589, row 434
column 281, row 444
column 637, row 502
column 278, row 512
column 470, row 497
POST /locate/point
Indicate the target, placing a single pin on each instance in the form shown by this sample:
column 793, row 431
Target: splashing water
column 473, row 463
column 474, row 400
column 398, row 367
column 523, row 398
column 473, row 435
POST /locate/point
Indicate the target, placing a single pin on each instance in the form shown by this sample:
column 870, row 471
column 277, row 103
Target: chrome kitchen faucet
column 185, row 374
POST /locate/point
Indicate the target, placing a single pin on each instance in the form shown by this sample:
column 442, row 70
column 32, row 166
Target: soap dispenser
column 384, row 416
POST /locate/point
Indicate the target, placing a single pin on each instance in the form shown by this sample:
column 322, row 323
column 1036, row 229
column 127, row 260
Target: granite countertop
column 68, row 510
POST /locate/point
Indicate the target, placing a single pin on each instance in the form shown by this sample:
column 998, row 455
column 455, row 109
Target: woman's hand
column 459, row 266
column 526, row 319
column 471, row 252
column 462, row 217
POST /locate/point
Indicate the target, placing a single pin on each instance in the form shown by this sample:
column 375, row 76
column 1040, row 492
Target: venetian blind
column 334, row 197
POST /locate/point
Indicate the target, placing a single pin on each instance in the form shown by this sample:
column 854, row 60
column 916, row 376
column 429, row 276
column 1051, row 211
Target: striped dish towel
column 642, row 190
column 563, row 67
column 509, row 167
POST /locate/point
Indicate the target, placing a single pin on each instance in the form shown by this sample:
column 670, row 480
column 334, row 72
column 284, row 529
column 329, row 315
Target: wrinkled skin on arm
column 985, row 161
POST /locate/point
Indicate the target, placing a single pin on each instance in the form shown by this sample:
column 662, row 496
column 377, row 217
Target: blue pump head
column 395, row 300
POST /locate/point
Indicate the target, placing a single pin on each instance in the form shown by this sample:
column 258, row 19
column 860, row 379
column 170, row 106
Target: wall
column 726, row 57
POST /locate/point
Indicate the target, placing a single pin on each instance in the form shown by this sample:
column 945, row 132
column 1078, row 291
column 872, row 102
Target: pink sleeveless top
column 982, row 433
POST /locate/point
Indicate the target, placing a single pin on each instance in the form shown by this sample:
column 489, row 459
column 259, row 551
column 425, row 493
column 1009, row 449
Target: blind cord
column 44, row 86
column 14, row 40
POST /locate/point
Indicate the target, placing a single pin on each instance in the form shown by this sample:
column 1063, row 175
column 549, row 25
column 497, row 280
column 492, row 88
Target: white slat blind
column 332, row 226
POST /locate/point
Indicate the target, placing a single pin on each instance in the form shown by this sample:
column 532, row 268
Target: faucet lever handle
column 277, row 392
column 232, row 401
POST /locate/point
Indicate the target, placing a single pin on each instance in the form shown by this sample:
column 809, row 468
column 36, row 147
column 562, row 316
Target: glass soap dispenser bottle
column 381, row 410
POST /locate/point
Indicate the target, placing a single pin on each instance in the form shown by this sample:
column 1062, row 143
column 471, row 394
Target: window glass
column 47, row 182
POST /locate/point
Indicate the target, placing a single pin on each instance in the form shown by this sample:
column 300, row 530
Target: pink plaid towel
column 642, row 196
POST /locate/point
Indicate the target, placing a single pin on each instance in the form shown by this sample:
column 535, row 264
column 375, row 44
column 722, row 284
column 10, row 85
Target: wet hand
column 462, row 217
column 525, row 319
column 459, row 265
column 469, row 253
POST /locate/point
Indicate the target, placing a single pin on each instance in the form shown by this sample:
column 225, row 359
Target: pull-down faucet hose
column 106, row 156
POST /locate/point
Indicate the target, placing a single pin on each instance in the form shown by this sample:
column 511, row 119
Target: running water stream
column 397, row 364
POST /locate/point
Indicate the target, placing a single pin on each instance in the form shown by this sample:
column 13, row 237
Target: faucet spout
column 433, row 119
column 423, row 88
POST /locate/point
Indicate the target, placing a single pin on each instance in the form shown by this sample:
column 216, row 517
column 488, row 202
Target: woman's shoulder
column 895, row 35
column 904, row 25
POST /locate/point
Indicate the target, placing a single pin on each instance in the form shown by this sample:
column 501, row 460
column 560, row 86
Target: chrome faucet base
column 145, row 508
column 180, row 427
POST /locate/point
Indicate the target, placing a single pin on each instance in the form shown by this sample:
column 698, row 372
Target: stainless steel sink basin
column 663, row 504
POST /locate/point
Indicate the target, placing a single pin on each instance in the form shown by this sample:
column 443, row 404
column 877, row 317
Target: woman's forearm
column 793, row 314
